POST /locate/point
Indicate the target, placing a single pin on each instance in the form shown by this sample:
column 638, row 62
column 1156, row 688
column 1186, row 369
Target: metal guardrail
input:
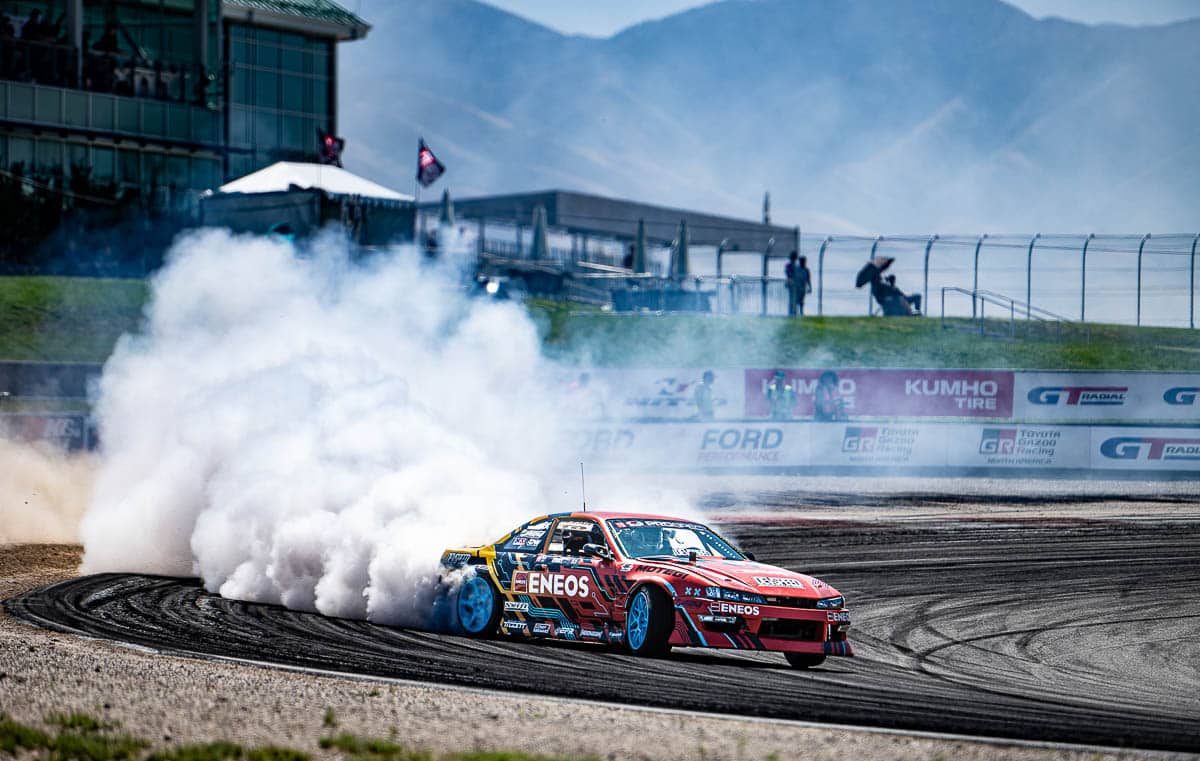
column 1023, row 319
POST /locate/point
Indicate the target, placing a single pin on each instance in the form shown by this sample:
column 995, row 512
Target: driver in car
column 649, row 540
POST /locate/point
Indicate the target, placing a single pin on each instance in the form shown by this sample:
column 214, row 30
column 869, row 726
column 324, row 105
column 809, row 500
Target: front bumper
column 701, row 623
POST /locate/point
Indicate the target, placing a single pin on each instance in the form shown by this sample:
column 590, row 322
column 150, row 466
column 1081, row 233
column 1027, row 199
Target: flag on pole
column 429, row 169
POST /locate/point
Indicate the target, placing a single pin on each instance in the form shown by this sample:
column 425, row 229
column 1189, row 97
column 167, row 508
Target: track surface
column 1072, row 631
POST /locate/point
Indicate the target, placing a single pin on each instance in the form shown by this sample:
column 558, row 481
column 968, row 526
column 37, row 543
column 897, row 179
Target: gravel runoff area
column 171, row 701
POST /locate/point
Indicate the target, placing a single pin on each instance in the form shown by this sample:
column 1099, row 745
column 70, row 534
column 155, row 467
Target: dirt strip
column 171, row 700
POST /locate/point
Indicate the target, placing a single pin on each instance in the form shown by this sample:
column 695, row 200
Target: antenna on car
column 582, row 486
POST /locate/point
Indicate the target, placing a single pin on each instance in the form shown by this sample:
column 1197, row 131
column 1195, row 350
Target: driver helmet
column 649, row 540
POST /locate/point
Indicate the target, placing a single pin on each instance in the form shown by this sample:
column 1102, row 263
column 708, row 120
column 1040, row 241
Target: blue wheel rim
column 475, row 603
column 638, row 621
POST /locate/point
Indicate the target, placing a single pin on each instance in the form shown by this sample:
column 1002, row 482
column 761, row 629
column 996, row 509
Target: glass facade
column 280, row 94
column 135, row 105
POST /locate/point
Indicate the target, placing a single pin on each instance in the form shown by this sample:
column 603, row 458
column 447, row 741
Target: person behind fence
column 828, row 404
column 901, row 304
column 703, row 397
column 799, row 282
column 781, row 396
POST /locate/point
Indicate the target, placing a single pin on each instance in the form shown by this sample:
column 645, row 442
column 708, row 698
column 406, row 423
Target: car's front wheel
column 804, row 660
column 649, row 620
column 478, row 607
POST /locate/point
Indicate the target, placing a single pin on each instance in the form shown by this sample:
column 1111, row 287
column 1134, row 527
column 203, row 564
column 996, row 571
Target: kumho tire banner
column 893, row 393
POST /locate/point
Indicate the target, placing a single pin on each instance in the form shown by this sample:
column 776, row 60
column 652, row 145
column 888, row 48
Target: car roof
column 604, row 516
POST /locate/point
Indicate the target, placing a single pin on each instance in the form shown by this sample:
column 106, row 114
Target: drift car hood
column 750, row 576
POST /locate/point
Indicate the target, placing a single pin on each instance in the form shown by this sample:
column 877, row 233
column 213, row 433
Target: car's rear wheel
column 804, row 660
column 648, row 622
column 478, row 607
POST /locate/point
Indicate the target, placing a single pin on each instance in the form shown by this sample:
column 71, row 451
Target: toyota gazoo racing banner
column 1114, row 396
column 1011, row 446
column 1126, row 448
column 892, row 393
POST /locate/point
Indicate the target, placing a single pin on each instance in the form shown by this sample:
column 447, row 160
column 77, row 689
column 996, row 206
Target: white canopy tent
column 334, row 180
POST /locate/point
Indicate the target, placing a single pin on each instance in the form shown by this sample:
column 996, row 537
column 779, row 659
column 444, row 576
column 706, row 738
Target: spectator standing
column 781, row 396
column 7, row 30
column 703, row 397
column 789, row 274
column 32, row 30
column 627, row 261
column 828, row 404
column 107, row 43
column 803, row 280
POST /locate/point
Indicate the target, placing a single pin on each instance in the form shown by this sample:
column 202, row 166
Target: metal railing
column 1023, row 319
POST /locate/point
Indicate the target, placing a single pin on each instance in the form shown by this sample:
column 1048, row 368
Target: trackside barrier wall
column 995, row 395
column 950, row 448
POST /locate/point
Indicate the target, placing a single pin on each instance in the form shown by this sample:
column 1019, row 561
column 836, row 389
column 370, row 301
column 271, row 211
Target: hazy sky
column 604, row 17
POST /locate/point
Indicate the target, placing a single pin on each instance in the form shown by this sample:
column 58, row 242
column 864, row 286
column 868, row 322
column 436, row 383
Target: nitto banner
column 892, row 393
column 655, row 394
column 1099, row 397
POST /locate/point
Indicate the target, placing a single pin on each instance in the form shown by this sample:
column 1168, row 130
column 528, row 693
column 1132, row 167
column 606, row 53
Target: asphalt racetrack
column 1075, row 631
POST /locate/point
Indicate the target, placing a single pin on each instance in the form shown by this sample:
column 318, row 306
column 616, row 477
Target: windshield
column 656, row 538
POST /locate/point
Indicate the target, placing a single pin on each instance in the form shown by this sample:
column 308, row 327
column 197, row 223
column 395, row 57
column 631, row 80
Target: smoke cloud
column 298, row 429
column 43, row 493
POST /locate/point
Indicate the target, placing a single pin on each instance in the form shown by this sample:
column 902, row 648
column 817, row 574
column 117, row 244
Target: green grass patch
column 15, row 736
column 81, row 737
column 215, row 751
column 80, row 319
column 841, row 342
column 66, row 319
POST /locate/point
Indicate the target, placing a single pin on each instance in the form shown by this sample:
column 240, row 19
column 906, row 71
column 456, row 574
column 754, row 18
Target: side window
column 529, row 538
column 570, row 534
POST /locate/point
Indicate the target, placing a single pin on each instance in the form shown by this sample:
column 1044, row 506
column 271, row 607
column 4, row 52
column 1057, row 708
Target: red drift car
column 647, row 583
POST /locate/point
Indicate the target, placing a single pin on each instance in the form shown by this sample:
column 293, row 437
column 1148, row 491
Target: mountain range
column 856, row 115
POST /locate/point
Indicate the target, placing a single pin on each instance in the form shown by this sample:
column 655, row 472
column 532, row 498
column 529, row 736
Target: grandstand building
column 165, row 98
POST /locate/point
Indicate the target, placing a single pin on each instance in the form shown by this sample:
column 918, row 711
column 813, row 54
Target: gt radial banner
column 1099, row 397
column 893, row 393
column 1126, row 448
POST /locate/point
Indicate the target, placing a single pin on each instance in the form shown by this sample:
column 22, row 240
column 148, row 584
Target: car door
column 565, row 580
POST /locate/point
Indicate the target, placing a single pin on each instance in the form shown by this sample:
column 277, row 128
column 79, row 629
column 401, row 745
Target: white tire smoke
column 300, row 430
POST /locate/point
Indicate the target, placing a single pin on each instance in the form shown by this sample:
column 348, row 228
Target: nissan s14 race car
column 644, row 583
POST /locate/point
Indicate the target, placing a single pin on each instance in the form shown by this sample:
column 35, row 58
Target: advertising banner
column 65, row 431
column 657, row 394
column 892, row 393
column 1126, row 448
column 1013, row 446
column 1133, row 397
column 953, row 448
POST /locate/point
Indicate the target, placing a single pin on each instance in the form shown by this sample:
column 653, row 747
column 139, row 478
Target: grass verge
column 81, row 737
column 80, row 319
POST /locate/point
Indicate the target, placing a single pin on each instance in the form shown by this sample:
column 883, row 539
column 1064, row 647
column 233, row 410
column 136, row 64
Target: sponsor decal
column 591, row 634
column 456, row 559
column 555, row 584
column 514, row 626
column 627, row 567
column 1082, row 396
column 635, row 523
column 671, row 392
column 966, row 393
column 892, row 393
column 604, row 440
column 616, row 635
column 838, row 616
column 778, row 581
column 1181, row 395
column 1150, row 448
column 743, row 445
column 713, row 593
column 879, row 443
column 542, row 628
column 735, row 608
column 515, row 607
column 564, row 631
column 1019, row 446
column 525, row 541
